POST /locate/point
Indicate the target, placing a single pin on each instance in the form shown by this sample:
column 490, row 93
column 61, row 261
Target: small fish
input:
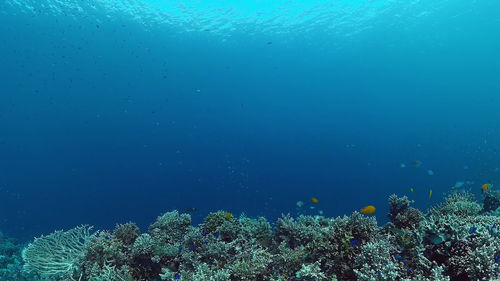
column 416, row 163
column 368, row 210
column 190, row 209
column 314, row 200
column 228, row 215
column 473, row 229
column 177, row 277
column 180, row 249
column 430, row 172
column 191, row 247
column 404, row 260
column 204, row 242
column 398, row 257
column 402, row 165
column 411, row 189
column 494, row 226
column 430, row 193
column 497, row 258
column 203, row 233
column 217, row 235
column 397, row 231
column 486, row 187
column 300, row 204
column 354, row 243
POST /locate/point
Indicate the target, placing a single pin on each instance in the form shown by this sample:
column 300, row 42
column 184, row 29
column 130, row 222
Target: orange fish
column 368, row 210
column 228, row 215
column 486, row 187
column 314, row 200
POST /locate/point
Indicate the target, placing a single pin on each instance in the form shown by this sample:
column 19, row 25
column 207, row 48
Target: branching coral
column 56, row 255
column 402, row 215
column 453, row 241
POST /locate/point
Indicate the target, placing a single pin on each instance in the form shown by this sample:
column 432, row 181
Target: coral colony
column 456, row 240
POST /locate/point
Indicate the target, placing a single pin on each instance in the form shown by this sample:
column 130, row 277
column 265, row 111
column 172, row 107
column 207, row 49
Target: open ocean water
column 114, row 111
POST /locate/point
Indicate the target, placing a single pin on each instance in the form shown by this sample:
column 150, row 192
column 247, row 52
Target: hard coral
column 401, row 214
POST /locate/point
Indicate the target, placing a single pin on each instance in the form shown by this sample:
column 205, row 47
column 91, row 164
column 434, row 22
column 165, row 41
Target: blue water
column 119, row 111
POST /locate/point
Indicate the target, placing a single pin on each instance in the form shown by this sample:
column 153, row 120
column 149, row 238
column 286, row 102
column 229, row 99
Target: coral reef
column 457, row 240
column 11, row 262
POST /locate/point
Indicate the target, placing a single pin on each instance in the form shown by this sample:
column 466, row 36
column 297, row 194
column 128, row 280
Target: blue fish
column 191, row 247
column 409, row 268
column 494, row 226
column 404, row 260
column 177, row 277
column 473, row 229
column 497, row 258
column 204, row 242
column 354, row 243
column 180, row 249
column 203, row 233
column 217, row 235
column 398, row 257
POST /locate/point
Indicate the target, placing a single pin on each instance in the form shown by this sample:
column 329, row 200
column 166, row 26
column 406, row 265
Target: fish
column 416, row 163
column 473, row 229
column 411, row 189
column 497, row 258
column 300, row 204
column 228, row 215
column 397, row 231
column 354, row 243
column 486, row 187
column 368, row 210
column 177, row 277
column 398, row 257
column 430, row 172
column 404, row 260
column 430, row 193
column 190, row 209
column 314, row 200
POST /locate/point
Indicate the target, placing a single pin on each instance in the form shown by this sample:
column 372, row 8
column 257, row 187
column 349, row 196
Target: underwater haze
column 114, row 111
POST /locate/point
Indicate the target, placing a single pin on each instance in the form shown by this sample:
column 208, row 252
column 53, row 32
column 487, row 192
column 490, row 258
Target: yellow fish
column 368, row 210
column 430, row 193
column 314, row 200
column 228, row 215
column 411, row 189
column 486, row 187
